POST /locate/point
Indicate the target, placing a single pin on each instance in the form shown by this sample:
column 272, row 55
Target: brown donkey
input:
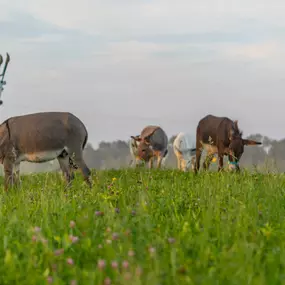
column 222, row 136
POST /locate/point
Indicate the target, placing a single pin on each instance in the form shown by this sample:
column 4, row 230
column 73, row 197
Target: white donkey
column 183, row 147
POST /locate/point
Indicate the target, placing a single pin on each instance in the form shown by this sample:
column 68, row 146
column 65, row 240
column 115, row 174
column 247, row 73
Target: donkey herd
column 45, row 136
column 215, row 135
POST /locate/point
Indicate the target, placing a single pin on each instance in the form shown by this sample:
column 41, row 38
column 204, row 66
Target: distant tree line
column 268, row 157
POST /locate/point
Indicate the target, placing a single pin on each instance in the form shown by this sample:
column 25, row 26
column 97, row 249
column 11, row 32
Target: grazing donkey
column 41, row 137
column 184, row 151
column 153, row 142
column 222, row 136
column 2, row 75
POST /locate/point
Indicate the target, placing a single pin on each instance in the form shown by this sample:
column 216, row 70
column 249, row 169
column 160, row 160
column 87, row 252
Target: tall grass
column 144, row 227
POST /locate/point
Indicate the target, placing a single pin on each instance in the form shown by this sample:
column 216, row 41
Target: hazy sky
column 122, row 64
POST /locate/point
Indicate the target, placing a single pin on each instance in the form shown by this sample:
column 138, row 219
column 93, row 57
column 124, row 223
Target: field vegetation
column 144, row 227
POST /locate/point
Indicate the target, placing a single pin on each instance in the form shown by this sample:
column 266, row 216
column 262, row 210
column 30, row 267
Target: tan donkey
column 153, row 143
column 41, row 137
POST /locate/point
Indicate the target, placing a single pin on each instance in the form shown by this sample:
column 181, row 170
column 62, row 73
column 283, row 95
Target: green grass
column 171, row 228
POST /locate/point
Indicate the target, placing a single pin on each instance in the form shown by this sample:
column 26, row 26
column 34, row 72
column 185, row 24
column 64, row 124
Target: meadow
column 144, row 227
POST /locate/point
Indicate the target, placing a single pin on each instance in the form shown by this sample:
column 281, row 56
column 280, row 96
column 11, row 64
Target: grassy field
column 142, row 227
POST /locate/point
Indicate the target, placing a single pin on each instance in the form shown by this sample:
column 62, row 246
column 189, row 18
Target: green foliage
column 144, row 227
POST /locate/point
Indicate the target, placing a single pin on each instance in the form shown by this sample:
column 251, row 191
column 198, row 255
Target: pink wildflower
column 37, row 229
column 70, row 261
column 74, row 239
column 101, row 264
column 151, row 251
column 99, row 213
column 44, row 241
column 115, row 236
column 114, row 264
column 171, row 240
column 107, row 281
column 125, row 264
column 59, row 251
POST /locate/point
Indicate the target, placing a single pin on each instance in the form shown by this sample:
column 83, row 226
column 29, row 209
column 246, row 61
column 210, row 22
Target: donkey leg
column 179, row 162
column 8, row 172
column 179, row 159
column 193, row 163
column 150, row 163
column 164, row 158
column 183, row 165
column 199, row 149
column 17, row 179
column 221, row 161
column 159, row 160
column 80, row 163
column 65, row 168
column 198, row 158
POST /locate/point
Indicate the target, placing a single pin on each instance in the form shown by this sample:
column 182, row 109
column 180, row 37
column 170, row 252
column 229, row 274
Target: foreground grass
column 141, row 227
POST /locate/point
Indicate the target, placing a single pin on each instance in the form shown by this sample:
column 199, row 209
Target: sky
column 122, row 65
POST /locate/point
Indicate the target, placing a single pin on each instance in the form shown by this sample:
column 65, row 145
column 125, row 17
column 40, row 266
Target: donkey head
column 145, row 151
column 236, row 147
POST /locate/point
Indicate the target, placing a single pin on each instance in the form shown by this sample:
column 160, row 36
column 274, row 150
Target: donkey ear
column 136, row 138
column 250, row 142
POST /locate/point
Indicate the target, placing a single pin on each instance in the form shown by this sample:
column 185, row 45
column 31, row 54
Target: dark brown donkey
column 222, row 136
column 42, row 137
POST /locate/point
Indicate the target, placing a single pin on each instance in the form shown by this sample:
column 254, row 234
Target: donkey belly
column 41, row 156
